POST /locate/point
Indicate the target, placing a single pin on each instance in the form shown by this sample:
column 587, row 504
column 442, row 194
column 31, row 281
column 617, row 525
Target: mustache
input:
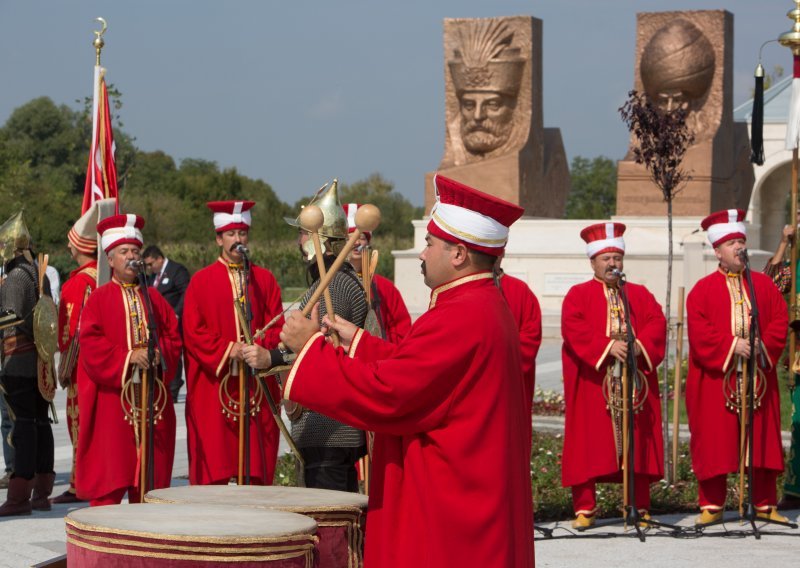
column 422, row 266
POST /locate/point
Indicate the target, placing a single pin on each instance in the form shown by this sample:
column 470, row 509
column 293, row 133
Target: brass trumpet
column 732, row 387
column 613, row 393
column 131, row 399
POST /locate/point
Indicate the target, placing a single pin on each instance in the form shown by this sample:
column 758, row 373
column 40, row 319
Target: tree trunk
column 665, row 372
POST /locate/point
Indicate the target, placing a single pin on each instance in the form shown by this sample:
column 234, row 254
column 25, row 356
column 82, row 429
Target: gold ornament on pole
column 791, row 39
column 98, row 42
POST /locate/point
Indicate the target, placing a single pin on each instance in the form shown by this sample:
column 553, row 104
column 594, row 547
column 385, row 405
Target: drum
column 340, row 515
column 151, row 535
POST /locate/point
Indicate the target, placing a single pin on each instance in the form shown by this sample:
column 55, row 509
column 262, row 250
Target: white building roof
column 776, row 104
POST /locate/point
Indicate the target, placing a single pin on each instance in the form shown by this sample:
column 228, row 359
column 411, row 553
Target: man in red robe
column 112, row 364
column 82, row 244
column 594, row 351
column 213, row 345
column 718, row 309
column 393, row 317
column 451, row 472
column 526, row 311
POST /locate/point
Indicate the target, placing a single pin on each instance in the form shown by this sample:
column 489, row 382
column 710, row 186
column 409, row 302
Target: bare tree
column 661, row 139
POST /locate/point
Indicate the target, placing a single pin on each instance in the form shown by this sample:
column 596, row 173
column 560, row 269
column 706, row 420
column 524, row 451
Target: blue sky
column 296, row 92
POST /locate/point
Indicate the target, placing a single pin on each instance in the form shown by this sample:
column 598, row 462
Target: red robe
column 395, row 319
column 589, row 447
column 451, row 473
column 528, row 315
column 107, row 455
column 69, row 312
column 715, row 428
column 210, row 328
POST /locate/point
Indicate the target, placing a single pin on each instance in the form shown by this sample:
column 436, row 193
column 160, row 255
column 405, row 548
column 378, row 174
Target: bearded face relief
column 486, row 120
column 486, row 72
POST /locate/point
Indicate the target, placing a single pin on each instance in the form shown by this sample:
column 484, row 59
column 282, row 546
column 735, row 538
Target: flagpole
column 98, row 42
column 791, row 39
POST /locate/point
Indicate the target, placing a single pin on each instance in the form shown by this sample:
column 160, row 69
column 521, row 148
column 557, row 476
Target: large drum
column 154, row 535
column 339, row 515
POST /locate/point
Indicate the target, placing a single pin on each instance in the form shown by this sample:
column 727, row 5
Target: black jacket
column 173, row 285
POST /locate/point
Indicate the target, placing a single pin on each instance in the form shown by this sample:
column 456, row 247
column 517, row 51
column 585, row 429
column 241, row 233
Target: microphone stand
column 755, row 340
column 152, row 343
column 632, row 515
column 248, row 370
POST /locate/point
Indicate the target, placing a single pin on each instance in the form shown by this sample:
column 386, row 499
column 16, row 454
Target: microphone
column 240, row 248
column 617, row 272
column 742, row 253
column 135, row 264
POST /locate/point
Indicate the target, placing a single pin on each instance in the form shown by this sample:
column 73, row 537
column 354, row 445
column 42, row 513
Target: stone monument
column 495, row 139
column 686, row 59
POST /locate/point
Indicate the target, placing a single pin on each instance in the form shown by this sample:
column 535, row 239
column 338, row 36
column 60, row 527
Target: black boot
column 42, row 488
column 18, row 500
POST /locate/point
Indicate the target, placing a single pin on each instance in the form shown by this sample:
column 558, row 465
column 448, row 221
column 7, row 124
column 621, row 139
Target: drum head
column 213, row 522
column 268, row 496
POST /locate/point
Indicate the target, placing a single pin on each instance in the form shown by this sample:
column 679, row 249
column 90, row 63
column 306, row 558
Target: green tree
column 396, row 210
column 593, row 192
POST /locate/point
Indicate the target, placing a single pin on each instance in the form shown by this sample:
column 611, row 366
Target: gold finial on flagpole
column 791, row 39
column 98, row 42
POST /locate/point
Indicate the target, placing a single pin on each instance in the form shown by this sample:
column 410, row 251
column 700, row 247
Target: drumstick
column 368, row 217
column 311, row 219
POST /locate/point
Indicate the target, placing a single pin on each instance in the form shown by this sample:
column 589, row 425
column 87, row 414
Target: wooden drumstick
column 368, row 217
column 311, row 219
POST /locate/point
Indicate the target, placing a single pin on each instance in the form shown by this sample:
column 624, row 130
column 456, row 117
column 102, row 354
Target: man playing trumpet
column 718, row 310
column 113, row 361
column 214, row 345
column 594, row 358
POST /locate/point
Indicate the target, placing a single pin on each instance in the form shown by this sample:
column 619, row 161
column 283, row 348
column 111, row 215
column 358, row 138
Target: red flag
column 101, row 173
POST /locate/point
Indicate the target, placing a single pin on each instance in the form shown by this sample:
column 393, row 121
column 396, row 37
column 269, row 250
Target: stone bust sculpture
column 677, row 69
column 486, row 73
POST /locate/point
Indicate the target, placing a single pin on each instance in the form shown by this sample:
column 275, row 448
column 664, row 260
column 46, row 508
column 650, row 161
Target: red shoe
column 66, row 497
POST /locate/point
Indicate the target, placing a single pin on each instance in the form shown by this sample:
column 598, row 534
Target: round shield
column 45, row 328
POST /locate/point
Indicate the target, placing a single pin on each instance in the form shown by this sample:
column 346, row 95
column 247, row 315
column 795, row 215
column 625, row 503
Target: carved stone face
column 486, row 120
column 677, row 65
column 487, row 74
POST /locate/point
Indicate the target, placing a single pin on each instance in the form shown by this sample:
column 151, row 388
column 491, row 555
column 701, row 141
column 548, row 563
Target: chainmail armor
column 19, row 292
column 312, row 429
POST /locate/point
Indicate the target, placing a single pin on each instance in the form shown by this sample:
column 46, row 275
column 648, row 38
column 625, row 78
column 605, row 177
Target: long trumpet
column 261, row 385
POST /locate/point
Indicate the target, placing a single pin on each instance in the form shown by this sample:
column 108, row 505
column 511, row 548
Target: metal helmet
column 333, row 233
column 14, row 236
